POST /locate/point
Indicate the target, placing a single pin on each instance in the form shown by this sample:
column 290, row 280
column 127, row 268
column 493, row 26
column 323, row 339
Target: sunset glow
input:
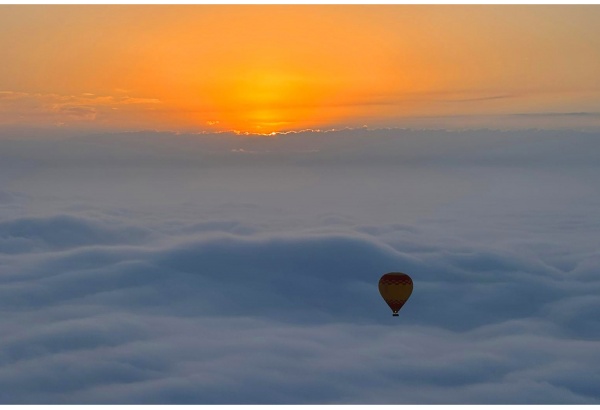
column 263, row 69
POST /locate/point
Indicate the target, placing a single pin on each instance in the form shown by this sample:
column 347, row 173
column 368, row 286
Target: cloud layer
column 144, row 279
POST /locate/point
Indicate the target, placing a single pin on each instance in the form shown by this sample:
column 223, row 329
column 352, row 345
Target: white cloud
column 150, row 269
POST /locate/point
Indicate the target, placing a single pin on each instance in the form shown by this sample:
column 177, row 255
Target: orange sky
column 268, row 68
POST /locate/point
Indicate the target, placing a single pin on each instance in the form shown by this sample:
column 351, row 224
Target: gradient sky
column 268, row 68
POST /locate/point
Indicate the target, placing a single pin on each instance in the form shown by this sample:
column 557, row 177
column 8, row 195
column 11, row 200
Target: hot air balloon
column 395, row 289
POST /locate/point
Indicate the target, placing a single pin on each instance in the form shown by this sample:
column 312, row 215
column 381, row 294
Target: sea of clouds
column 222, row 269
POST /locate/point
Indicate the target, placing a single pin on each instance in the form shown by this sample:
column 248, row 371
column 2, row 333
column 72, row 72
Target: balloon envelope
column 395, row 289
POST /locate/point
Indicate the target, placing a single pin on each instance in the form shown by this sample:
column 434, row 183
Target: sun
column 265, row 101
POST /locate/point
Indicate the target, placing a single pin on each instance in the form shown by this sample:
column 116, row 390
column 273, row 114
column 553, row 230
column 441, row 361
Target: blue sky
column 220, row 269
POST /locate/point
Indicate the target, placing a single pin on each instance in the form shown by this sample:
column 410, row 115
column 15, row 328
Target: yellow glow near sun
column 261, row 96
column 265, row 101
